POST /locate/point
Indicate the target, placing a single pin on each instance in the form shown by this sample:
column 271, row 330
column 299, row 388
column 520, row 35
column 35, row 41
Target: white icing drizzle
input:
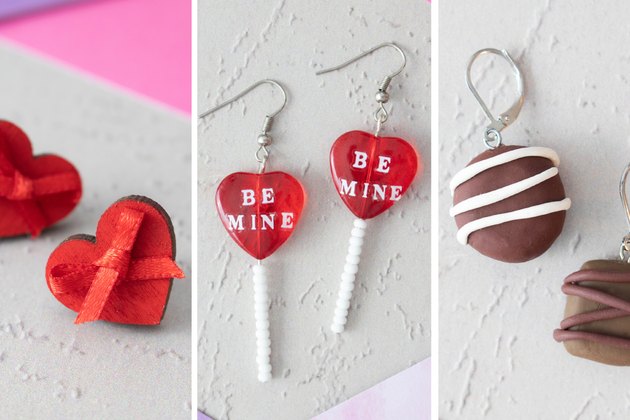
column 497, row 219
column 502, row 193
column 476, row 168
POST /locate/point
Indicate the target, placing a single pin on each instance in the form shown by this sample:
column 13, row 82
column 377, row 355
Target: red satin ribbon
column 114, row 266
column 23, row 191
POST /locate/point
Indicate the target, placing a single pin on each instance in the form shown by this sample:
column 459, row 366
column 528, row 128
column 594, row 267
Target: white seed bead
column 339, row 311
column 261, row 312
column 259, row 269
column 353, row 259
column 343, row 304
column 337, row 328
column 357, row 233
column 345, row 294
column 360, row 223
column 350, row 269
column 347, row 277
column 356, row 241
column 354, row 250
column 262, row 324
column 347, row 287
column 340, row 320
column 264, row 352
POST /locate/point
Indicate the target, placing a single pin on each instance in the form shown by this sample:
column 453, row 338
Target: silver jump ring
column 265, row 154
column 492, row 138
column 381, row 115
column 624, row 248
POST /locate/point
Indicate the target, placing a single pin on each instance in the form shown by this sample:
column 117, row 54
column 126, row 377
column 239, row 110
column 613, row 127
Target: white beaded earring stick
column 261, row 307
column 350, row 269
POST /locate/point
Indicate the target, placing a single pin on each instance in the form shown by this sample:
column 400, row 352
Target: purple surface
column 201, row 416
column 12, row 8
column 406, row 395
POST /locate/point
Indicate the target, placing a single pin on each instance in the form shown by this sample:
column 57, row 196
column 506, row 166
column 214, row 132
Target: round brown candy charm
column 597, row 314
column 509, row 203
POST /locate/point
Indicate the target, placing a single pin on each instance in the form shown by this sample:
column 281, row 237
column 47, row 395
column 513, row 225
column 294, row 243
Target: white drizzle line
column 499, row 194
column 476, row 168
column 497, row 219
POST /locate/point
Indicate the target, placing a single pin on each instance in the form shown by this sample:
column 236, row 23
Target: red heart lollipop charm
column 260, row 211
column 372, row 173
column 35, row 191
column 124, row 274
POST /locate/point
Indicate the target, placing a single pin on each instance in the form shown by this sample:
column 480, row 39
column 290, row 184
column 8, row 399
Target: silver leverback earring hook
column 624, row 249
column 492, row 136
column 264, row 138
column 382, row 96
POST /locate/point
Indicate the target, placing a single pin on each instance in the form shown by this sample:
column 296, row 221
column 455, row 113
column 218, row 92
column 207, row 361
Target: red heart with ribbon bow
column 35, row 191
column 124, row 273
column 372, row 173
column 260, row 211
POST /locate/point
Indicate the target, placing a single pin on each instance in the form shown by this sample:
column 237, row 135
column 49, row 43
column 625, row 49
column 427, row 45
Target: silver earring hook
column 245, row 92
column 387, row 80
column 492, row 135
column 624, row 250
column 382, row 97
column 264, row 138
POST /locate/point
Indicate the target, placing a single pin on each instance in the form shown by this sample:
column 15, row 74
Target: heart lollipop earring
column 371, row 173
column 260, row 211
column 597, row 323
column 509, row 202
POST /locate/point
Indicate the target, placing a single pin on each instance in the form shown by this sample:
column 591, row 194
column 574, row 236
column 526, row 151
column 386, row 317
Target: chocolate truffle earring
column 597, row 323
column 509, row 202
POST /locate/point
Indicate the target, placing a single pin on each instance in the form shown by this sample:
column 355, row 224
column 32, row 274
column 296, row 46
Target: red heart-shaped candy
column 35, row 191
column 124, row 273
column 372, row 173
column 260, row 211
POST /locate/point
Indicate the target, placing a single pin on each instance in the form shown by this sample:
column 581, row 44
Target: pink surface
column 140, row 45
column 406, row 395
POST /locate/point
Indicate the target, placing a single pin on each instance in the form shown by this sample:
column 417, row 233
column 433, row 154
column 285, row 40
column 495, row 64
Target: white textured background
column 49, row 367
column 389, row 323
column 497, row 356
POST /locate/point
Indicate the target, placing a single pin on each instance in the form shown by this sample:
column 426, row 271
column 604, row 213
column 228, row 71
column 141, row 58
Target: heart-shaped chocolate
column 124, row 273
column 260, row 211
column 35, row 191
column 372, row 173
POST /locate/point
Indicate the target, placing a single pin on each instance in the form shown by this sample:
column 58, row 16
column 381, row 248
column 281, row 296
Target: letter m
column 348, row 189
column 235, row 223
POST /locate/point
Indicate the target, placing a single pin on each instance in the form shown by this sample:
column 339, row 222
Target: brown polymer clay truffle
column 597, row 313
column 527, row 189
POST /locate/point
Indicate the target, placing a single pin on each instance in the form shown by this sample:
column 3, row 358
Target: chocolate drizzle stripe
column 499, row 194
column 475, row 169
column 497, row 219
column 567, row 335
column 615, row 307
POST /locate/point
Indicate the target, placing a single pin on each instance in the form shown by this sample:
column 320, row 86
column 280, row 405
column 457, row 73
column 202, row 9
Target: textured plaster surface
column 497, row 356
column 49, row 367
column 389, row 322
